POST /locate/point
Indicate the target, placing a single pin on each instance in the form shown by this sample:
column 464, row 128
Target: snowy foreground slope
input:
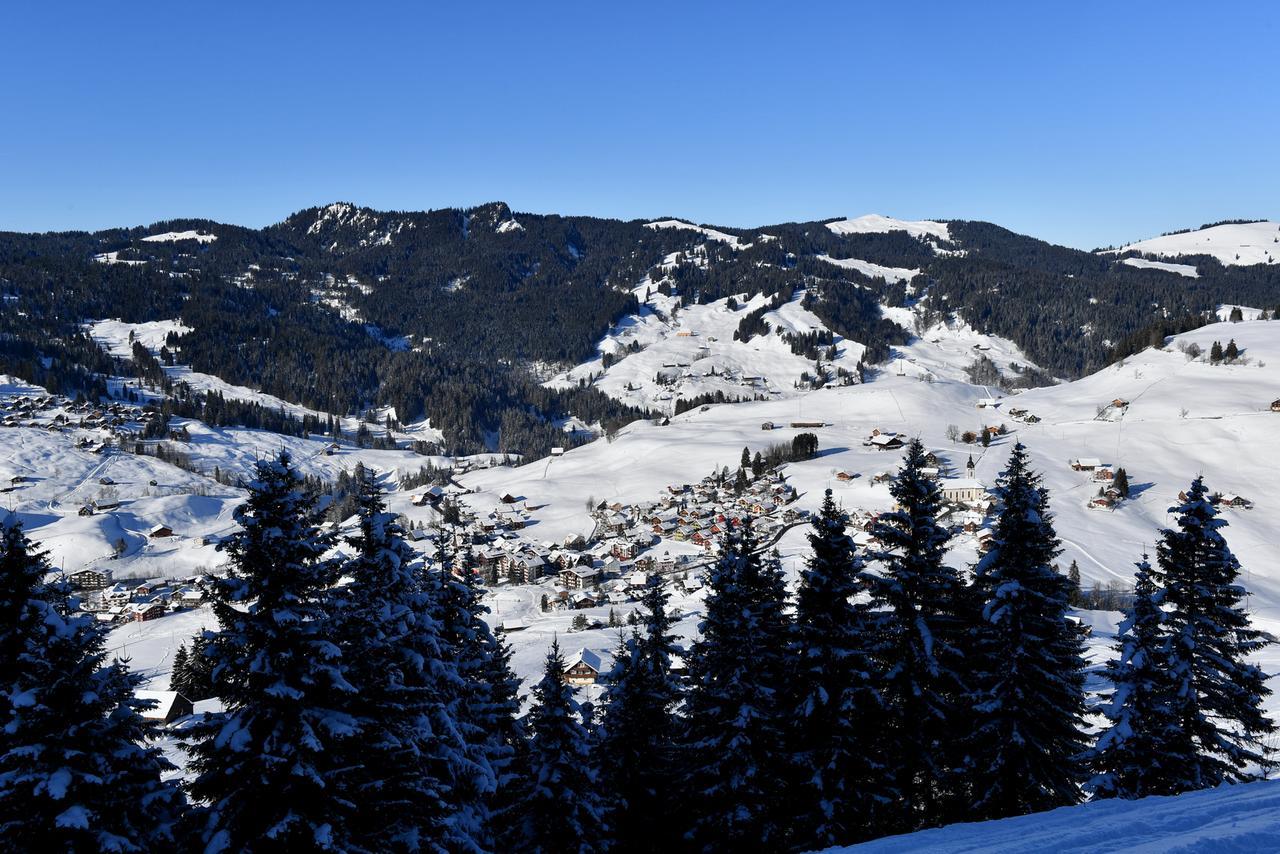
column 1236, row 819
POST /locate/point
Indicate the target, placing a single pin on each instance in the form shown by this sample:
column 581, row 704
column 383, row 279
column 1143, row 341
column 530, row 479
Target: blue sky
column 1083, row 123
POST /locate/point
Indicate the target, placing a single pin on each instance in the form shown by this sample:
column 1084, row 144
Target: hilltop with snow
column 1230, row 243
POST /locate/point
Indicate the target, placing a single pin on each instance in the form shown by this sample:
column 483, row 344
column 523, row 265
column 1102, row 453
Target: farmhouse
column 988, row 403
column 887, row 442
column 160, row 531
column 583, row 668
column 1086, row 464
column 1275, row 406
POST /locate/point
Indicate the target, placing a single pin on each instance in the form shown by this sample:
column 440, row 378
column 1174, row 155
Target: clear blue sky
column 1083, row 123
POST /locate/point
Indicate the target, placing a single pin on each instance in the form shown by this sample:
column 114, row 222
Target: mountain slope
column 1232, row 244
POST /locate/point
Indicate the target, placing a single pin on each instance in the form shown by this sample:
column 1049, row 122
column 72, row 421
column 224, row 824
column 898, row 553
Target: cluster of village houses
column 133, row 601
column 58, row 414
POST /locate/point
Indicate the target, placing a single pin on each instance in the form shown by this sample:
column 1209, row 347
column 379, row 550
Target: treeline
column 382, row 714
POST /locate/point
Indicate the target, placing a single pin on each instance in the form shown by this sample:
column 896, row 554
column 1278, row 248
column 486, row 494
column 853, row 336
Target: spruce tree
column 77, row 772
column 411, row 772
column 735, row 761
column 1121, row 483
column 180, row 674
column 924, row 613
column 1232, row 351
column 836, row 726
column 1028, row 692
column 1215, row 352
column 1136, row 755
column 265, row 769
column 563, row 811
column 1217, row 694
column 637, row 734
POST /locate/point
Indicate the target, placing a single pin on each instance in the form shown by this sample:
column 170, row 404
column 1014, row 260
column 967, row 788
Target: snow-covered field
column 1236, row 243
column 1237, row 819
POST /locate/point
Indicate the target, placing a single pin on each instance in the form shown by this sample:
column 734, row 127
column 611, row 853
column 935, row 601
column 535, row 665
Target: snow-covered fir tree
column 637, row 746
column 563, row 811
column 1028, row 696
column 1137, row 754
column 77, row 771
column 735, row 762
column 836, row 727
column 1217, row 693
column 266, row 769
column 410, row 771
column 924, row 612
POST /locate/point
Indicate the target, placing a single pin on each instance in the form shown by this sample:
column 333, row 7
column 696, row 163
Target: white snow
column 866, row 268
column 1238, row 819
column 1238, row 243
column 1181, row 269
column 709, row 233
column 877, row 224
column 173, row 236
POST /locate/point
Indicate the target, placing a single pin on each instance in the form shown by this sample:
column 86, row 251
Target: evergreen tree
column 199, row 670
column 1136, row 755
column 76, row 770
column 637, row 734
column 735, row 763
column 1215, row 352
column 1029, row 688
column 410, row 770
column 265, row 767
column 1121, row 482
column 1217, row 694
column 563, row 811
column 1232, row 351
column 745, row 462
column 180, row 674
column 924, row 613
column 1074, row 594
column 836, row 726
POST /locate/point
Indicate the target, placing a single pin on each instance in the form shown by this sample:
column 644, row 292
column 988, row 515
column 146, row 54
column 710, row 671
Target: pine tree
column 745, row 462
column 1136, row 755
column 637, row 734
column 836, row 724
column 1218, row 695
column 1215, row 352
column 735, row 762
column 1074, row 594
column 924, row 613
column 199, row 671
column 265, row 767
column 563, row 811
column 1232, row 351
column 1029, row 687
column 76, row 770
column 411, row 772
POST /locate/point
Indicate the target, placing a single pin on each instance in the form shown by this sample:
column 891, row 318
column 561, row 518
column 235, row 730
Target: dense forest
column 454, row 314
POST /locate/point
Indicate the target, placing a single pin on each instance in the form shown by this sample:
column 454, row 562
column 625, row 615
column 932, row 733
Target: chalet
column 583, row 668
column 808, row 424
column 117, row 594
column 585, row 599
column 988, row 403
column 430, row 497
column 90, row 579
column 143, row 612
column 169, row 706
column 846, row 476
column 623, row 549
column 768, row 425
column 963, row 490
column 1275, row 406
column 932, row 459
column 887, row 442
column 1086, row 464
column 509, row 626
column 188, row 597
column 1101, row 502
column 507, row 498
column 557, row 452
column 1238, row 502
column 1119, row 403
column 1103, row 474
column 666, row 563
column 160, row 531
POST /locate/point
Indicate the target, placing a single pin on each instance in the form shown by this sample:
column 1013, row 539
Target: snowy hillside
column 877, row 224
column 1239, row 819
column 1235, row 243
